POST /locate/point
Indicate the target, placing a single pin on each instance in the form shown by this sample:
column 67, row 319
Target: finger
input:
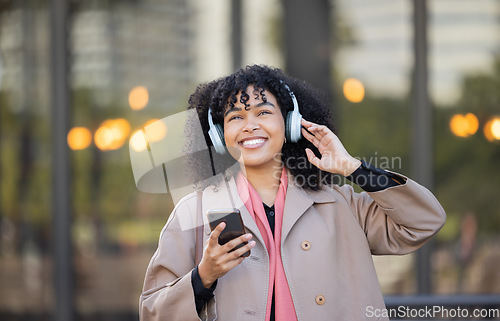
column 310, row 137
column 233, row 263
column 242, row 250
column 306, row 123
column 315, row 132
column 237, row 241
column 328, row 139
column 311, row 127
column 214, row 236
column 312, row 158
column 319, row 130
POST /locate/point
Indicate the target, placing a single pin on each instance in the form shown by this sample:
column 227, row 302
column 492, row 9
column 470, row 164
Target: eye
column 265, row 112
column 234, row 117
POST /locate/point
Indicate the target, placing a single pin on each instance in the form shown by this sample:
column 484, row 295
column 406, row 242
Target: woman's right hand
column 217, row 260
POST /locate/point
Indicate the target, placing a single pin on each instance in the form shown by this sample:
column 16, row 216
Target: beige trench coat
column 328, row 238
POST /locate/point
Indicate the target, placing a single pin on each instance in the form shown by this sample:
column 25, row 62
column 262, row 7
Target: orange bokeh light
column 138, row 141
column 492, row 129
column 111, row 134
column 464, row 125
column 354, row 91
column 156, row 130
column 79, row 138
column 138, row 97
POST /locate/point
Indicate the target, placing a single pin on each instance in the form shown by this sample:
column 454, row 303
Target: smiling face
column 255, row 133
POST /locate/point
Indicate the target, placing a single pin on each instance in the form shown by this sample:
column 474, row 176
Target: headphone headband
column 210, row 120
column 292, row 95
column 293, row 130
column 216, row 134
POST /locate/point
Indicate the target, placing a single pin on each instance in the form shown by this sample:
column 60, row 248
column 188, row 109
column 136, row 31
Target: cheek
column 229, row 134
column 282, row 128
column 278, row 134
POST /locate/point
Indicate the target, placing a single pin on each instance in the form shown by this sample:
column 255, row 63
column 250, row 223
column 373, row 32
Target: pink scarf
column 284, row 309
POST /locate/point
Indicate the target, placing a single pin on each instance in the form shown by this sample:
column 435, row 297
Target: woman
column 311, row 240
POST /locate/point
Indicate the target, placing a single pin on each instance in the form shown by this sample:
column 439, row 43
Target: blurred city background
column 415, row 87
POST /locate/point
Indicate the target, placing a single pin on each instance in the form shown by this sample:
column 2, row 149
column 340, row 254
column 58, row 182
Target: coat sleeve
column 167, row 292
column 397, row 220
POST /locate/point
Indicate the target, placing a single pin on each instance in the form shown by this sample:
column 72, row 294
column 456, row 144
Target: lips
column 253, row 142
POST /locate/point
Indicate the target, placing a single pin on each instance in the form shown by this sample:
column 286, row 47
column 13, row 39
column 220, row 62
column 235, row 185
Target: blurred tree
column 104, row 191
column 466, row 169
column 376, row 130
column 467, row 175
column 9, row 161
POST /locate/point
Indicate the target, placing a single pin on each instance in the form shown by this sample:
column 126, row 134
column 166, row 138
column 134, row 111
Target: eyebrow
column 232, row 109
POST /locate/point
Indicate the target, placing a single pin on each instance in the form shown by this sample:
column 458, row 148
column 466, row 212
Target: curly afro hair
column 220, row 94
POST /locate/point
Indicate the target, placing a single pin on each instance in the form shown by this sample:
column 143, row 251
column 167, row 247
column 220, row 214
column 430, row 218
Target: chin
column 258, row 162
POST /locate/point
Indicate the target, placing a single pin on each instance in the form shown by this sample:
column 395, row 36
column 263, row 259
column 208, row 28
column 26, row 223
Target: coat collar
column 297, row 202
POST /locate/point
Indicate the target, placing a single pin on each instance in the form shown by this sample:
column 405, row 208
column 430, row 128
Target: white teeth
column 252, row 142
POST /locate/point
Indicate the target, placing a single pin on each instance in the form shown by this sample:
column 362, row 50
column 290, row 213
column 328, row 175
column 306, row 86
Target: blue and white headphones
column 293, row 128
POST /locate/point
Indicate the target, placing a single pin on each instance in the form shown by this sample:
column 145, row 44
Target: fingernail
column 248, row 236
column 252, row 243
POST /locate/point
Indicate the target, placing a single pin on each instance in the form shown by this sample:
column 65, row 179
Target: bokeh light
column 138, row 97
column 156, row 130
column 79, row 138
column 492, row 129
column 138, row 141
column 354, row 91
column 111, row 134
column 464, row 125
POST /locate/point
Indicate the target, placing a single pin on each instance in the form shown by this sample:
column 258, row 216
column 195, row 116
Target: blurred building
column 464, row 37
column 115, row 46
column 377, row 44
column 119, row 46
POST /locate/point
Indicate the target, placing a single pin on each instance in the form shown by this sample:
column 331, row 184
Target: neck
column 265, row 181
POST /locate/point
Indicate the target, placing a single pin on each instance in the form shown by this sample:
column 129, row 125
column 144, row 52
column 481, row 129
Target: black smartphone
column 234, row 225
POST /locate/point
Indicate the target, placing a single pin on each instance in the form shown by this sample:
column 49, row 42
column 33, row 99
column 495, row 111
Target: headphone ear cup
column 288, row 129
column 220, row 149
column 220, row 132
column 293, row 128
column 216, row 134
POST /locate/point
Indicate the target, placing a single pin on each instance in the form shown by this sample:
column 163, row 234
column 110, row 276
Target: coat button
column 306, row 246
column 320, row 300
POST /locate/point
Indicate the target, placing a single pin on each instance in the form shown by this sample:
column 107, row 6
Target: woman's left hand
column 334, row 157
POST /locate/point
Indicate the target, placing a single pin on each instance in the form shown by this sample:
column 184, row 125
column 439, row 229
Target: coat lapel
column 297, row 202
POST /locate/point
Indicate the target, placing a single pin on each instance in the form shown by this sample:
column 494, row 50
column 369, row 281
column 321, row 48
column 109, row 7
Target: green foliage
column 24, row 164
column 9, row 164
column 466, row 169
column 376, row 130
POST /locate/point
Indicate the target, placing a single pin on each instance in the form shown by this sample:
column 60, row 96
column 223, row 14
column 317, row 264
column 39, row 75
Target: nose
column 251, row 124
